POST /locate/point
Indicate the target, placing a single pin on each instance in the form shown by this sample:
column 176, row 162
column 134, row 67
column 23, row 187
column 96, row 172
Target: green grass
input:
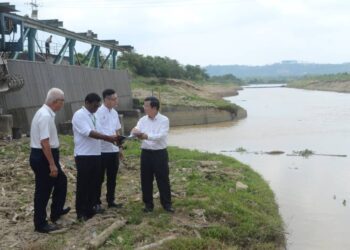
column 238, row 220
column 210, row 212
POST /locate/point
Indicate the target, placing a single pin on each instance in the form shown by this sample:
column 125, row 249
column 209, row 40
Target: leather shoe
column 115, row 205
column 98, row 209
column 147, row 210
column 82, row 218
column 47, row 228
column 169, row 209
column 64, row 211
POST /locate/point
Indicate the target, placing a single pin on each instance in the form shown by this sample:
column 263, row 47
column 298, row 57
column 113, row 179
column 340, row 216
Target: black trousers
column 88, row 169
column 47, row 48
column 110, row 166
column 155, row 163
column 45, row 185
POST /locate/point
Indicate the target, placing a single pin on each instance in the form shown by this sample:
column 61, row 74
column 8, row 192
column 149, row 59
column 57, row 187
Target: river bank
column 220, row 204
column 336, row 83
column 189, row 103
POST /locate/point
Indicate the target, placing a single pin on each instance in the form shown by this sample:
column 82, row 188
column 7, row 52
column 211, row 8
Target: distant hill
column 282, row 69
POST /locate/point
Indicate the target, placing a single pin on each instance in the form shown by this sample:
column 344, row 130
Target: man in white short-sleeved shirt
column 109, row 124
column 44, row 161
column 87, row 152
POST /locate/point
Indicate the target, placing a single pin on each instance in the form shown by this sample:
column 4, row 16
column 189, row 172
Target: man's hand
column 138, row 134
column 111, row 138
column 53, row 170
column 143, row 136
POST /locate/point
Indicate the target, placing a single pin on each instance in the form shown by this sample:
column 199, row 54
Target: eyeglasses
column 112, row 98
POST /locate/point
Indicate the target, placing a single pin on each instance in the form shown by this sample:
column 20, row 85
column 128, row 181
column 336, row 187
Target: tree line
column 164, row 67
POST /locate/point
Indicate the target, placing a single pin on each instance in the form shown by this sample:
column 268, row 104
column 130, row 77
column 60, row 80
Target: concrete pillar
column 6, row 123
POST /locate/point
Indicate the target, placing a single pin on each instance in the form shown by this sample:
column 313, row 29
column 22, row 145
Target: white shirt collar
column 105, row 108
column 87, row 111
column 154, row 118
column 52, row 113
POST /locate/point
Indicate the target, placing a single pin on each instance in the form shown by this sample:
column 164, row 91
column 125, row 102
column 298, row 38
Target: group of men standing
column 97, row 152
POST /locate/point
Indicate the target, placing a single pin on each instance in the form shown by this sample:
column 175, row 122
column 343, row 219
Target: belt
column 153, row 150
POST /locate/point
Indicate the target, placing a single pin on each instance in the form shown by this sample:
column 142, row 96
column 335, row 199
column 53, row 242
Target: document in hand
column 121, row 139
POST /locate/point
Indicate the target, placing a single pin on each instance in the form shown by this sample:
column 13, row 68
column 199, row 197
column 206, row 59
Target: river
column 313, row 193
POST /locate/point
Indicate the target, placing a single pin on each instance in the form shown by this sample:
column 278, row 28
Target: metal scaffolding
column 26, row 28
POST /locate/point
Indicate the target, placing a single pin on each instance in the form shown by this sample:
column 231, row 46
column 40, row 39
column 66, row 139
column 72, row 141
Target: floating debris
column 274, row 152
column 307, row 152
column 240, row 150
column 303, row 153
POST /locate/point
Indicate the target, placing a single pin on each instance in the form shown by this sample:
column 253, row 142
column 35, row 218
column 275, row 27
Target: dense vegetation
column 228, row 78
column 161, row 67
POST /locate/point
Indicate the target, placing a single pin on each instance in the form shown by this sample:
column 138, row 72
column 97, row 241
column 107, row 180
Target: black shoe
column 147, row 210
column 115, row 205
column 98, row 209
column 169, row 209
column 82, row 218
column 64, row 211
column 47, row 228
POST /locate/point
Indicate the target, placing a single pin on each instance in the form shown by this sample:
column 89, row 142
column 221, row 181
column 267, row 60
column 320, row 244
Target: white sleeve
column 163, row 131
column 44, row 130
column 81, row 125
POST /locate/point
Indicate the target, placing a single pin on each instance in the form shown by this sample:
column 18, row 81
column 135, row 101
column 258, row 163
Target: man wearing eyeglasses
column 108, row 119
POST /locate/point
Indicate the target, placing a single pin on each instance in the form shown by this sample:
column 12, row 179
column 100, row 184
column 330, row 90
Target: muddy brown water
column 313, row 193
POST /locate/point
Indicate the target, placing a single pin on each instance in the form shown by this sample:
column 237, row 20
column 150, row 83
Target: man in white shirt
column 87, row 152
column 109, row 122
column 153, row 129
column 44, row 161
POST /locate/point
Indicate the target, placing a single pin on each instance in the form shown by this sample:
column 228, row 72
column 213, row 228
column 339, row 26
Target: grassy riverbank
column 333, row 82
column 185, row 93
column 220, row 204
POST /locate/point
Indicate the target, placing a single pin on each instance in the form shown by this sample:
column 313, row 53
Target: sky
column 212, row 32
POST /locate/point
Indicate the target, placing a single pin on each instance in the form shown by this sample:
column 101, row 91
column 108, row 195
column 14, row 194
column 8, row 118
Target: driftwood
column 102, row 237
column 157, row 244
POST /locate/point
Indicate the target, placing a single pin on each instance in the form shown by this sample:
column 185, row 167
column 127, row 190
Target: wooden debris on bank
column 102, row 237
column 157, row 244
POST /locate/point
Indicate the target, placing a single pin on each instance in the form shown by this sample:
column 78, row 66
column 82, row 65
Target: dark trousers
column 155, row 163
column 88, row 169
column 47, row 48
column 45, row 185
column 110, row 166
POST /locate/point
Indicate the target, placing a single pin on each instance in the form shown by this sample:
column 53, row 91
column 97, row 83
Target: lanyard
column 93, row 119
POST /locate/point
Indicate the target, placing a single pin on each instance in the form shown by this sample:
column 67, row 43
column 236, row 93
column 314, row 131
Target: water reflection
column 310, row 191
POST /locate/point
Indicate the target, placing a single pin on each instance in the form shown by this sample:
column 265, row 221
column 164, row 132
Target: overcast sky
column 247, row 32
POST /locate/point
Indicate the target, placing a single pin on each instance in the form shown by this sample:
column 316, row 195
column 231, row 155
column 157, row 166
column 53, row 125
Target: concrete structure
column 184, row 115
column 75, row 81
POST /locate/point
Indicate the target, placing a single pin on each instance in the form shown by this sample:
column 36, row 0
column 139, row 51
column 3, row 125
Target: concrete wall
column 75, row 81
column 183, row 116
